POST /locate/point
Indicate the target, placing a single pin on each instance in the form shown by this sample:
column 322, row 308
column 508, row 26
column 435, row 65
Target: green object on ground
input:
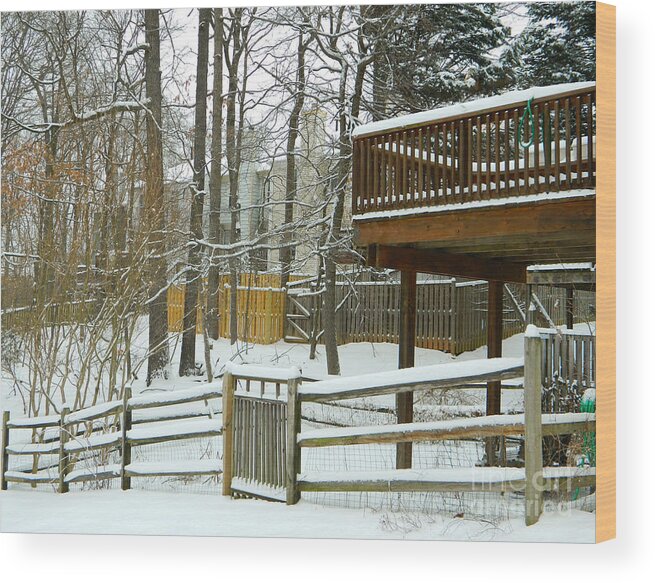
column 588, row 405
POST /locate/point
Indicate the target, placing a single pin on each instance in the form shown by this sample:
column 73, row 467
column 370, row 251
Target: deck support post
column 569, row 308
column 406, row 350
column 494, row 350
column 4, row 456
column 534, row 484
column 229, row 384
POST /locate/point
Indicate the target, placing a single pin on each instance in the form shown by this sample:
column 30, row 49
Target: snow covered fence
column 534, row 479
column 258, row 429
column 109, row 427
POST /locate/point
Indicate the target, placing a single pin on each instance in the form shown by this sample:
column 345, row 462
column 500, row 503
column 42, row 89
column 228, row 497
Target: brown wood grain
column 606, row 272
column 532, row 223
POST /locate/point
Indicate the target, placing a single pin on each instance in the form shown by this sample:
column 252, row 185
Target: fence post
column 292, row 449
column 126, row 450
column 228, row 431
column 63, row 457
column 4, row 456
column 534, row 484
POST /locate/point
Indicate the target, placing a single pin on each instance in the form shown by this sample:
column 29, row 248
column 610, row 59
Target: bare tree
column 291, row 177
column 215, row 178
column 153, row 214
column 188, row 351
column 348, row 100
column 235, row 51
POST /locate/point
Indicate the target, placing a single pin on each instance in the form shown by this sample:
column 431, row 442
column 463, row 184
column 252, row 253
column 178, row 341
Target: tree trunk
column 213, row 280
column 154, row 208
column 233, row 159
column 292, row 179
column 188, row 351
column 334, row 236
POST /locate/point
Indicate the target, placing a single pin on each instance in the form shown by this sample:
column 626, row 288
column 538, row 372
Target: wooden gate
column 255, row 431
column 303, row 316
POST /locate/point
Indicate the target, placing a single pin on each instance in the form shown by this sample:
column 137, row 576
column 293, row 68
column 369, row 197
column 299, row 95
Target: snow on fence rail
column 160, row 419
column 253, row 465
column 256, row 437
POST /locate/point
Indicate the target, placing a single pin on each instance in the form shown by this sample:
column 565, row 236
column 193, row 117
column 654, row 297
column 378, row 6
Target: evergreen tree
column 557, row 46
column 443, row 53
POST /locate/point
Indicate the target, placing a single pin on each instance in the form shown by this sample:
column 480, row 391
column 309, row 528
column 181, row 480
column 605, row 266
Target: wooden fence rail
column 78, row 436
column 242, row 425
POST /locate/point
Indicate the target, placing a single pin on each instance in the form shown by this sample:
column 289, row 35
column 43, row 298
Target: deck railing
column 478, row 155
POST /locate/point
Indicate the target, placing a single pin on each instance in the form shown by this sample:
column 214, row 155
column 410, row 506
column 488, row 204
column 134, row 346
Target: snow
column 155, row 513
column 412, row 376
column 561, row 266
column 174, row 468
column 181, row 411
column 468, row 108
column 207, row 391
column 588, row 329
column 173, row 429
column 472, row 475
column 23, row 509
column 475, row 204
column 42, row 421
column 531, row 331
column 271, row 373
column 29, row 448
column 94, row 440
column 108, row 471
column 39, row 477
column 95, row 411
column 444, row 426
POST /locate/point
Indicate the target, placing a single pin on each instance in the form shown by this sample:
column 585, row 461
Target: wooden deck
column 464, row 195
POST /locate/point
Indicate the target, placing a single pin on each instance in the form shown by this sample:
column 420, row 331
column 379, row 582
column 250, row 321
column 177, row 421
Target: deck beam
column 570, row 221
column 444, row 263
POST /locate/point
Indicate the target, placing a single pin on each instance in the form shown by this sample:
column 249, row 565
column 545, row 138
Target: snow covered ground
column 179, row 508
column 138, row 512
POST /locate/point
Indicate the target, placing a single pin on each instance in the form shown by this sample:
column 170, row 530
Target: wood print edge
column 606, row 272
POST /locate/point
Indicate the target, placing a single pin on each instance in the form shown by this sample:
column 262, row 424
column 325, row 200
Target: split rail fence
column 253, row 463
column 74, row 437
column 263, row 439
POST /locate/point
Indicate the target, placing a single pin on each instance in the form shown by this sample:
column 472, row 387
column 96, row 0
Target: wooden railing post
column 534, row 484
column 126, row 449
column 293, row 460
column 63, row 456
column 228, row 431
column 4, row 456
